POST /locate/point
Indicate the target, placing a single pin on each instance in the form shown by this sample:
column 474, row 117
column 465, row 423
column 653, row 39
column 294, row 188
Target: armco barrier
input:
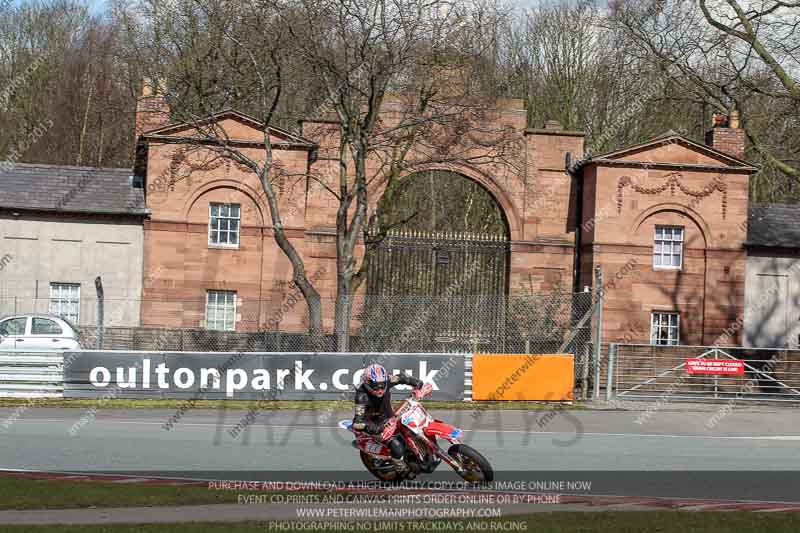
column 30, row 375
column 247, row 375
column 523, row 377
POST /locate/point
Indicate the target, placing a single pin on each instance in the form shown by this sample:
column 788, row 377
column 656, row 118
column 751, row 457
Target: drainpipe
column 576, row 176
column 98, row 285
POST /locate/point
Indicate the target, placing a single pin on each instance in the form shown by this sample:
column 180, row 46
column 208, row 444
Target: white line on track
column 310, row 428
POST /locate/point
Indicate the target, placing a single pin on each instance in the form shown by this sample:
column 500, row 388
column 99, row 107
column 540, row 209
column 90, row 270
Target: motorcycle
column 419, row 431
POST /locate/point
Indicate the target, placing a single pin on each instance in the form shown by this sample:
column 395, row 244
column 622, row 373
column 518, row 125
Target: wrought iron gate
column 451, row 286
column 439, row 264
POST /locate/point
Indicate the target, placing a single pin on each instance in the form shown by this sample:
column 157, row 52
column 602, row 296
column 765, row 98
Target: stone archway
column 446, row 235
column 443, row 268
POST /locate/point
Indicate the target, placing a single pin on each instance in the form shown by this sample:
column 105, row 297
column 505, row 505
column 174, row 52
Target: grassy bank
column 20, row 493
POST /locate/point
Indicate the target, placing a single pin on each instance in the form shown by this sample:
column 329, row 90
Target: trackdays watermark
column 233, row 380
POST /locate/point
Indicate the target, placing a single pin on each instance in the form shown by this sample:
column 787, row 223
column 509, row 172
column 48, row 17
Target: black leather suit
column 371, row 412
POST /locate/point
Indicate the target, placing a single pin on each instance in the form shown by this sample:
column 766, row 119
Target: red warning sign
column 726, row 367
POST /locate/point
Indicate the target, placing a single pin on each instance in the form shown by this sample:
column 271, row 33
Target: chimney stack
column 451, row 80
column 553, row 125
column 726, row 135
column 152, row 110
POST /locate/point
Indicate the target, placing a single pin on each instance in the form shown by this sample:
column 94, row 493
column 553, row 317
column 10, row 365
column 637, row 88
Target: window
column 668, row 250
column 13, row 327
column 65, row 301
column 665, row 328
column 43, row 326
column 223, row 226
column 221, row 310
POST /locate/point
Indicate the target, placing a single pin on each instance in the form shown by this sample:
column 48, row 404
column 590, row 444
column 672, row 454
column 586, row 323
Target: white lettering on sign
column 232, row 380
column 715, row 366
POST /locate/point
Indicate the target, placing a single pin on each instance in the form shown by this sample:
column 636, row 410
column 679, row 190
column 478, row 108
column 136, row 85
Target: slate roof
column 775, row 225
column 70, row 189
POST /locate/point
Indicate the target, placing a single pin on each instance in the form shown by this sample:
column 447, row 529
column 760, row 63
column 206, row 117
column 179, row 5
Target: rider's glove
column 414, row 382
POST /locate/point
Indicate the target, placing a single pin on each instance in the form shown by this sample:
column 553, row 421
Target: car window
column 43, row 326
column 13, row 326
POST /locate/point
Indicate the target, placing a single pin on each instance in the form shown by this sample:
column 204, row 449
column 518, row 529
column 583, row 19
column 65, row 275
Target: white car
column 37, row 333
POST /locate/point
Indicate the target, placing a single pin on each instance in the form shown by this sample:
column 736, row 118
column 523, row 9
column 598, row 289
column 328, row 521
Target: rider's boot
column 402, row 469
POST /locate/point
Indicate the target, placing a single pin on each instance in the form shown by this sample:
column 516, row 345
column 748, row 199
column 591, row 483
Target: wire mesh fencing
column 546, row 322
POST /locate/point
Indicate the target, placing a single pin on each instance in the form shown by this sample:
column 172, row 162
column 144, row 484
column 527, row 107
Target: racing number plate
column 415, row 418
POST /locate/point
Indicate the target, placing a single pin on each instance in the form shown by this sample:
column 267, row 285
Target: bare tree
column 58, row 65
column 397, row 91
column 222, row 53
column 729, row 55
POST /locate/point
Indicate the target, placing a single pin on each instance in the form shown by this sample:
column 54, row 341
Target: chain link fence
column 547, row 322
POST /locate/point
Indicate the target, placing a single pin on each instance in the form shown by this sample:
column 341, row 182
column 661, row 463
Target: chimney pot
column 733, row 122
column 726, row 134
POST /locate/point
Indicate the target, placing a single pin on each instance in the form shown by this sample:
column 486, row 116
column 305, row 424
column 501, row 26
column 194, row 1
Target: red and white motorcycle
column 419, row 431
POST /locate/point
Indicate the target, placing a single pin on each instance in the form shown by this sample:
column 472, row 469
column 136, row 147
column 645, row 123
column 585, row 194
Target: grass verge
column 558, row 522
column 345, row 405
column 20, row 493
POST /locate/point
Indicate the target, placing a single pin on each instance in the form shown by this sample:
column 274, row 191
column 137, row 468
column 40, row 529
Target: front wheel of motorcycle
column 380, row 468
column 476, row 468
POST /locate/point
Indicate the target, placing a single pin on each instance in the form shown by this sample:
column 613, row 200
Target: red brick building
column 210, row 259
column 665, row 221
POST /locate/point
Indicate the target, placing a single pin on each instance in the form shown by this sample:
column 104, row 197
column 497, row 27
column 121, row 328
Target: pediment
column 232, row 125
column 673, row 149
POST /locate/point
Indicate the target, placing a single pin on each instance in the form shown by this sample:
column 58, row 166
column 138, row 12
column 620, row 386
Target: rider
column 374, row 407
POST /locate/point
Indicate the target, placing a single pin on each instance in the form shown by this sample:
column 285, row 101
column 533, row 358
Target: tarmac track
column 751, row 455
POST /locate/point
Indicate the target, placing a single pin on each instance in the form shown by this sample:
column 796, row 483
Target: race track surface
column 747, row 454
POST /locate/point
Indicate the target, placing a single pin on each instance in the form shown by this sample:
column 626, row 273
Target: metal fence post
column 612, row 353
column 98, row 285
column 598, row 333
column 587, row 356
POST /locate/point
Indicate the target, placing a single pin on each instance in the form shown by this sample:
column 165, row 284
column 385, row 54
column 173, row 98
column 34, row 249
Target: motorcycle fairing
column 437, row 428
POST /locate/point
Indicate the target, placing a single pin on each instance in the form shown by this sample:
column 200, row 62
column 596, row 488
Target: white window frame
column 671, row 241
column 215, row 225
column 59, row 300
column 221, row 314
column 657, row 325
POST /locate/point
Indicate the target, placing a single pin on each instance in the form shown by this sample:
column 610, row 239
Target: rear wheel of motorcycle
column 382, row 469
column 476, row 467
